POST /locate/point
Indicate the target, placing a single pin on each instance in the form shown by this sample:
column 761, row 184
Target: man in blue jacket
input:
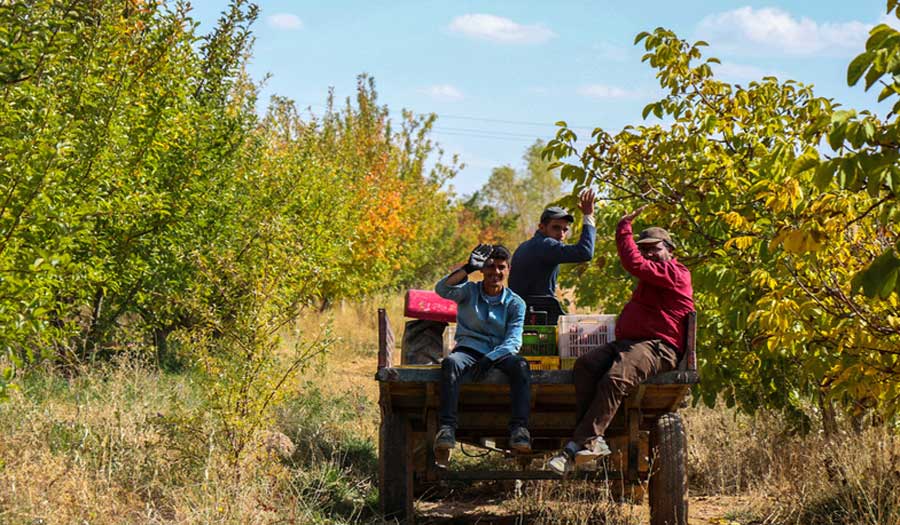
column 535, row 264
column 489, row 320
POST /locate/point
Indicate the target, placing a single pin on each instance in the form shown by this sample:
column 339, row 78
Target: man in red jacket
column 649, row 340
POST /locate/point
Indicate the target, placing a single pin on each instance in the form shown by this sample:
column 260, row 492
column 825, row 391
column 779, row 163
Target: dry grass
column 850, row 478
column 126, row 443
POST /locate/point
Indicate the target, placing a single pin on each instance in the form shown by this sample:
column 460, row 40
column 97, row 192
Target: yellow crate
column 542, row 362
column 567, row 363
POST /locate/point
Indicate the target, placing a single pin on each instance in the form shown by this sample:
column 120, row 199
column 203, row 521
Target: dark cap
column 555, row 212
column 654, row 235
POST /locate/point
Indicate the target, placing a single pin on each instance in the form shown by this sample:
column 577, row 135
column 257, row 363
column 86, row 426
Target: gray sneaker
column 520, row 440
column 592, row 452
column 445, row 439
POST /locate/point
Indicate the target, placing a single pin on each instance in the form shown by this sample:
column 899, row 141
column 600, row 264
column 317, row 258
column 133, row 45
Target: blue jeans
column 457, row 368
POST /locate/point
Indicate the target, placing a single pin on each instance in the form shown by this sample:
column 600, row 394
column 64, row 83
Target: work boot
column 595, row 450
column 520, row 440
column 445, row 439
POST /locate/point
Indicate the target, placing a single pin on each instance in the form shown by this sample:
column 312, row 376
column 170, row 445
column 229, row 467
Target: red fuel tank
column 426, row 304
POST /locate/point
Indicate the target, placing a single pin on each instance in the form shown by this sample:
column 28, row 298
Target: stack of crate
column 539, row 347
column 579, row 334
column 555, row 347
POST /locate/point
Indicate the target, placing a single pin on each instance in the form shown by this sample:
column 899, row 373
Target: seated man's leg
column 453, row 368
column 516, row 369
column 588, row 370
column 632, row 365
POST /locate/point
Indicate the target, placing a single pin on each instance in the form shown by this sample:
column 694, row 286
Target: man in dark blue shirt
column 535, row 264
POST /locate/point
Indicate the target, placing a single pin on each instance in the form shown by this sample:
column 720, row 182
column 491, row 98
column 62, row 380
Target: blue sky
column 499, row 74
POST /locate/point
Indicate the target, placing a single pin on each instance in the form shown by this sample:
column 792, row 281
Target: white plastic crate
column 449, row 338
column 579, row 334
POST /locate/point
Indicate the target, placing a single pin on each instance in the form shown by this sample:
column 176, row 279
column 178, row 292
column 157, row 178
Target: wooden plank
column 538, row 377
column 633, row 422
column 386, row 341
column 431, row 425
column 689, row 362
column 395, row 477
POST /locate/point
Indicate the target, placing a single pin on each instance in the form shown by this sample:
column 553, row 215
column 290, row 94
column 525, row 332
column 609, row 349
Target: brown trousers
column 605, row 375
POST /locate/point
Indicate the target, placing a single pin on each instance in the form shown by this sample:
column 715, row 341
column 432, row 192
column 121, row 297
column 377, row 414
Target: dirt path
column 704, row 510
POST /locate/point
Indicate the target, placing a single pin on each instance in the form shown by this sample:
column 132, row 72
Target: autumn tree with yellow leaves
column 779, row 202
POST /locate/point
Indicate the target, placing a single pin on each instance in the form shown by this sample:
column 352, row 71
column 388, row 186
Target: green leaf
column 873, row 75
column 807, row 161
column 873, row 181
column 877, row 36
column 836, row 137
column 858, row 66
column 640, row 36
column 872, row 279
column 887, row 286
column 824, row 174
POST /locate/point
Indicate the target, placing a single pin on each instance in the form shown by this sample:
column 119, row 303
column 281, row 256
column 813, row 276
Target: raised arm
column 665, row 275
column 453, row 286
column 583, row 250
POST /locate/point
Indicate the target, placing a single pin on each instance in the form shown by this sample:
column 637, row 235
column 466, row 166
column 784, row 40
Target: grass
column 128, row 443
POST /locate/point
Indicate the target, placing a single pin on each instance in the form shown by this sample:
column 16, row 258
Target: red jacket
column 662, row 298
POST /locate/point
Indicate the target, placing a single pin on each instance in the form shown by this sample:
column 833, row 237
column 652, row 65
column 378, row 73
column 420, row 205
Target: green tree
column 772, row 253
column 522, row 195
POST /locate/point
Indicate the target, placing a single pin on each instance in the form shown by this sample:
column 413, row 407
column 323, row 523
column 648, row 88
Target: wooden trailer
column 647, row 436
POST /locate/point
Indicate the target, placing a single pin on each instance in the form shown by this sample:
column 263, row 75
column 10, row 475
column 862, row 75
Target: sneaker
column 561, row 463
column 520, row 440
column 445, row 439
column 596, row 450
column 564, row 461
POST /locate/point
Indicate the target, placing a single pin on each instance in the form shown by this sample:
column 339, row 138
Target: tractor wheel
column 423, row 342
column 668, row 472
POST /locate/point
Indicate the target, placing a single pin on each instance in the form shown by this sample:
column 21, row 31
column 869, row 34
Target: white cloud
column 499, row 29
column 285, row 21
column 757, row 31
column 444, row 92
column 605, row 92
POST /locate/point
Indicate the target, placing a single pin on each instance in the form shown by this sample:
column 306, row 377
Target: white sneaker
column 561, row 463
column 597, row 450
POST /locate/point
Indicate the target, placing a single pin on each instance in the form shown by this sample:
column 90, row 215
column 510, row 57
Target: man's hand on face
column 478, row 257
column 481, row 369
column 586, row 204
column 630, row 216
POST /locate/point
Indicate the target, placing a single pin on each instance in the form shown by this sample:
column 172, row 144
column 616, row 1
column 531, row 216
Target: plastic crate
column 579, row 334
column 539, row 340
column 449, row 339
column 542, row 362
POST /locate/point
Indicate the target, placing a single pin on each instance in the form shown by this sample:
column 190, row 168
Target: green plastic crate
column 539, row 340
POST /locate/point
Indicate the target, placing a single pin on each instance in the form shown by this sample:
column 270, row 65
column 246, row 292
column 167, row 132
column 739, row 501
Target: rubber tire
column 423, row 342
column 668, row 472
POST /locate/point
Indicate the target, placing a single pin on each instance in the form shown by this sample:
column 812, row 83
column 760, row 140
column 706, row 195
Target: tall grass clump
column 796, row 474
column 126, row 443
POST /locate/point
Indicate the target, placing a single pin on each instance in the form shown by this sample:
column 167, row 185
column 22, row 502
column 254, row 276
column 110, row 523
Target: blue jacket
column 535, row 264
column 489, row 325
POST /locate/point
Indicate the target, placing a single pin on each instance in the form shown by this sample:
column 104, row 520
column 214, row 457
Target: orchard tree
column 772, row 242
column 521, row 195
